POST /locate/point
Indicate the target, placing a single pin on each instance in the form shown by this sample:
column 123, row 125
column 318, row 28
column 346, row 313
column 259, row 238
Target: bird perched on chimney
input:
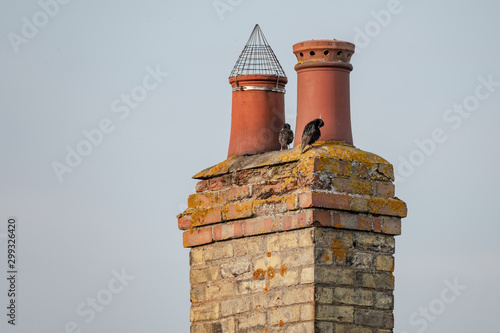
column 311, row 133
column 286, row 136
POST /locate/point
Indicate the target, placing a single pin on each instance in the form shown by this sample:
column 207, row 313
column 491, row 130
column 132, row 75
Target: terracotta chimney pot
column 323, row 88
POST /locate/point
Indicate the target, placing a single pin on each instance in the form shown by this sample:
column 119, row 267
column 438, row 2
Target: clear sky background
column 425, row 94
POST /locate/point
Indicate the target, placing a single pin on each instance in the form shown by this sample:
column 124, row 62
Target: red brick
column 288, row 222
column 237, row 210
column 391, row 225
column 387, row 170
column 329, row 165
column 353, row 186
column 384, row 206
column 202, row 199
column 199, row 236
column 361, row 171
column 203, row 216
column 234, row 193
column 266, row 191
column 325, row 200
column 219, row 183
column 377, row 224
column 202, row 186
column 364, row 222
column 385, row 189
column 322, row 217
column 228, row 231
column 259, row 226
column 184, row 222
column 347, row 220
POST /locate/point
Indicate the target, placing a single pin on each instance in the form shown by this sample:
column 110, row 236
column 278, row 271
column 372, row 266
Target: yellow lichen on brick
column 338, row 250
column 259, row 274
column 201, row 216
column 237, row 210
column 387, row 206
column 283, row 270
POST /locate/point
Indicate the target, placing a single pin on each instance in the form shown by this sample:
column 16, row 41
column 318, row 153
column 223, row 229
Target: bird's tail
column 302, row 148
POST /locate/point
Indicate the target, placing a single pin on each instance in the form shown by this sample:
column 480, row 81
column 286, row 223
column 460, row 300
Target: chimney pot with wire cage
column 258, row 101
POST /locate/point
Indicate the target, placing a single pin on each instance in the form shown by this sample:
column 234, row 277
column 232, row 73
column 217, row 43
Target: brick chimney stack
column 288, row 242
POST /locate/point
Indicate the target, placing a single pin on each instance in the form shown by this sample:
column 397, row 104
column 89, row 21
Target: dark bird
column 286, row 136
column 311, row 133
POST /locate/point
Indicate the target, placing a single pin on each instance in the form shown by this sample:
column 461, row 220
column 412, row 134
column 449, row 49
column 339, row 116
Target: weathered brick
column 237, row 210
column 386, row 170
column 227, row 231
column 201, row 186
column 359, row 260
column 248, row 246
column 203, row 275
column 204, row 199
column 333, row 274
column 335, row 313
column 218, row 251
column 301, row 258
column 323, row 327
column 343, row 328
column 204, row 216
column 306, row 327
column 329, row 165
column 219, row 183
column 391, row 225
column 352, row 296
column 288, row 314
column 271, row 299
column 323, row 294
column 235, row 269
column 355, row 186
column 325, row 200
column 384, row 300
column 233, row 306
column 251, row 320
column 302, row 294
column 195, row 237
column 384, row 189
column 216, row 291
column 259, row 225
column 375, row 242
column 364, row 222
column 234, row 193
column 385, row 263
column 290, row 278
column 374, row 318
column 196, row 256
column 197, row 294
column 380, row 281
column 184, row 222
column 386, row 206
column 307, row 275
column 250, row 286
column 208, row 311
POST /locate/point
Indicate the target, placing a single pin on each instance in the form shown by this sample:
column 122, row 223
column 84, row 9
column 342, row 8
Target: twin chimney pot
column 258, row 103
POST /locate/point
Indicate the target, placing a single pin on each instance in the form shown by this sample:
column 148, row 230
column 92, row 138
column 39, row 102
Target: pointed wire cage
column 257, row 57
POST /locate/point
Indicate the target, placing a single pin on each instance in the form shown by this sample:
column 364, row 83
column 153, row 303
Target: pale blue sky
column 116, row 209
